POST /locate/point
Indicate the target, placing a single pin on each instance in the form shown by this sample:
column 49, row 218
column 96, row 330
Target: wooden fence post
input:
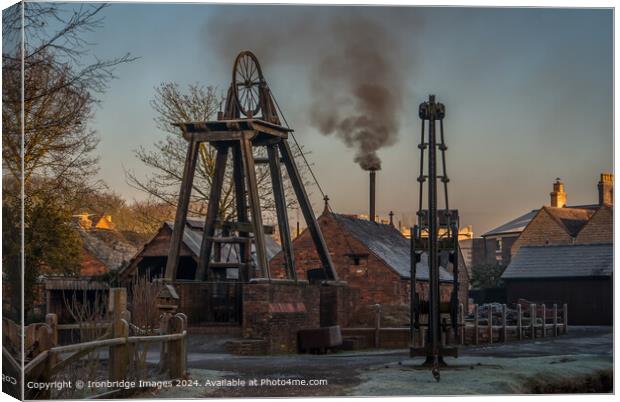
column 555, row 320
column 533, row 320
column 475, row 324
column 490, row 322
column 544, row 320
column 163, row 352
column 462, row 323
column 184, row 317
column 565, row 318
column 504, row 332
column 176, row 348
column 119, row 354
column 519, row 322
column 52, row 320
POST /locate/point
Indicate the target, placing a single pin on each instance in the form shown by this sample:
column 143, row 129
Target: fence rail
column 484, row 325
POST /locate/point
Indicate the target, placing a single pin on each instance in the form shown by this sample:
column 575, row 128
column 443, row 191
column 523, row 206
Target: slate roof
column 192, row 238
column 388, row 244
column 572, row 219
column 514, row 226
column 565, row 261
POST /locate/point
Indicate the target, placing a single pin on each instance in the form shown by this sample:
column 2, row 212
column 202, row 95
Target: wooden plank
column 221, row 136
column 490, row 323
column 181, row 214
column 462, row 323
column 212, row 210
column 504, row 333
column 306, row 209
column 544, row 320
column 254, row 202
column 281, row 212
column 565, row 317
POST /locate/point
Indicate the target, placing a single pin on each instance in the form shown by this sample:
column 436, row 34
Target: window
column 498, row 245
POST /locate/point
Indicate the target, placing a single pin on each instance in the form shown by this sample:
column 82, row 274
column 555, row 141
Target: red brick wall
column 541, row 230
column 277, row 311
column 375, row 281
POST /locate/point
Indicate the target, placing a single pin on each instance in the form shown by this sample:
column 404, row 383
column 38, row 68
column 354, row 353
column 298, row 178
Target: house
column 151, row 259
column 565, row 255
column 556, row 223
column 580, row 275
column 104, row 251
column 373, row 258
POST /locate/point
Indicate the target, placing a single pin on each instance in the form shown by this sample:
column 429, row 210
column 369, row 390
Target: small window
column 498, row 245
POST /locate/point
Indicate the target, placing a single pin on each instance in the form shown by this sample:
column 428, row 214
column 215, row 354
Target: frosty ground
column 581, row 361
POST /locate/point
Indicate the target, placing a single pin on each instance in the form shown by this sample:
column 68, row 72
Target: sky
column 528, row 95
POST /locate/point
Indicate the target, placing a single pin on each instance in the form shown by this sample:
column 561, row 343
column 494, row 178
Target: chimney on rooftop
column 606, row 189
column 558, row 196
column 373, row 173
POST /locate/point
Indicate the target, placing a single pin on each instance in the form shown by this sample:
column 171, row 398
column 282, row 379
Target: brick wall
column 276, row 311
column 374, row 281
column 541, row 230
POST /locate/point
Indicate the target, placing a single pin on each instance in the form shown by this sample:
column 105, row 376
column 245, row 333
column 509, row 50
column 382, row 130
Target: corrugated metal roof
column 577, row 260
column 388, row 244
column 514, row 226
column 192, row 238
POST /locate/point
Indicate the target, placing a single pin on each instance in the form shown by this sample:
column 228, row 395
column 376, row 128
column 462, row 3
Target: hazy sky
column 528, row 94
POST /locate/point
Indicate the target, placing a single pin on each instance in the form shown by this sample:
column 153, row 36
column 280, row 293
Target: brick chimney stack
column 606, row 189
column 558, row 196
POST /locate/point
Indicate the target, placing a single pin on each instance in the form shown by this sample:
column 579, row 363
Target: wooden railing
column 53, row 359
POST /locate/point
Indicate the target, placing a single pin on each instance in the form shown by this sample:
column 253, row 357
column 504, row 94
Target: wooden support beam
column 254, row 201
column 181, row 214
column 242, row 208
column 306, row 209
column 280, row 201
column 212, row 211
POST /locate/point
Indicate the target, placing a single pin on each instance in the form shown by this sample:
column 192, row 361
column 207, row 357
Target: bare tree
column 167, row 157
column 61, row 82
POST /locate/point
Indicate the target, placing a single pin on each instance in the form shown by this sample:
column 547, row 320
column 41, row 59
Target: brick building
column 556, row 223
column 565, row 255
column 373, row 258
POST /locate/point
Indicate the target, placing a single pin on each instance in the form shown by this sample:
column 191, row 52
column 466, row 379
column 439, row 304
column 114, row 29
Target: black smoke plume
column 353, row 64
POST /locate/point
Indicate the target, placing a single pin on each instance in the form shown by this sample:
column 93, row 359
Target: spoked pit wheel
column 247, row 79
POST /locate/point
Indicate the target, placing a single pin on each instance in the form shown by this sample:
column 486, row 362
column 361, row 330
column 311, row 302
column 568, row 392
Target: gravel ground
column 518, row 367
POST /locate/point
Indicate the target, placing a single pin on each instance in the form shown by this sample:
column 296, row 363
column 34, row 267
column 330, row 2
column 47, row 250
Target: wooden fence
column 486, row 324
column 49, row 359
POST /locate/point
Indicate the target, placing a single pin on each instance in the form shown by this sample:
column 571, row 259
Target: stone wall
column 542, row 230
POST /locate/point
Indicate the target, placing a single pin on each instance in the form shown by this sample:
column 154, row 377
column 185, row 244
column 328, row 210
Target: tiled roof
column 572, row 219
column 514, row 226
column 565, row 261
column 192, row 237
column 386, row 242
